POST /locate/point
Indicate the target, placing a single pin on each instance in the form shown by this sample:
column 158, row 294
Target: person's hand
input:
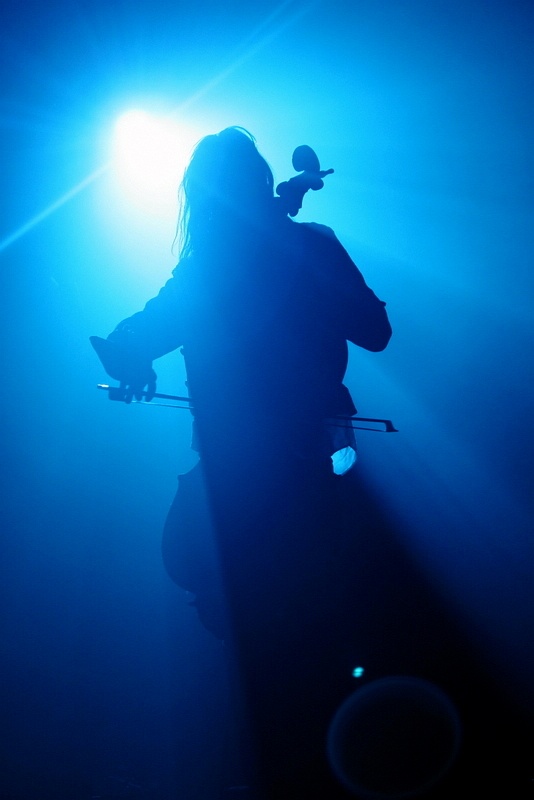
column 142, row 387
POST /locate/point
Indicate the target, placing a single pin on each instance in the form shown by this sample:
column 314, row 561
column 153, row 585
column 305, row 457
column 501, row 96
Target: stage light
column 150, row 155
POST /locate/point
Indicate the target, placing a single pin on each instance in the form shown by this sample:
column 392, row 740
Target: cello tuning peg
column 305, row 159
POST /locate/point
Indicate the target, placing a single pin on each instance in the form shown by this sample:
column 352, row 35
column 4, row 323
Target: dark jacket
column 264, row 328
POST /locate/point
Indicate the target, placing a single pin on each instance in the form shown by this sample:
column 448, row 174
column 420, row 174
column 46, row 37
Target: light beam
column 32, row 223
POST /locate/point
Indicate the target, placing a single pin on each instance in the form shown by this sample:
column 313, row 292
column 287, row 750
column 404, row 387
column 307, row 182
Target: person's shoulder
column 320, row 239
column 183, row 275
column 182, row 268
column 317, row 229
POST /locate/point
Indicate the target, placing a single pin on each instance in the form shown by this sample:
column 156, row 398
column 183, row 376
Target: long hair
column 226, row 184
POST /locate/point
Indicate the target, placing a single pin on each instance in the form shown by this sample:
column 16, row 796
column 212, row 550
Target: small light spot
column 357, row 672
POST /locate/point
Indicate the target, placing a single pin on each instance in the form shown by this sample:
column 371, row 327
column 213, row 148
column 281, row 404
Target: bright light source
column 150, row 155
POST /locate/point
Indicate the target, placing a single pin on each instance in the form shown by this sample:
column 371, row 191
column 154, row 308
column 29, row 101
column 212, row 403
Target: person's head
column 227, row 182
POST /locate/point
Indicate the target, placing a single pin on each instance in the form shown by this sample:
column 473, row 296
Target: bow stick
column 340, row 421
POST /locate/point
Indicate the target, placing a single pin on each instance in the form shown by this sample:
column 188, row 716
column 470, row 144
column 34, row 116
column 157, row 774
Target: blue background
column 424, row 110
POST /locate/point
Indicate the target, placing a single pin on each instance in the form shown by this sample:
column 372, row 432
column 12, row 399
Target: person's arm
column 353, row 306
column 138, row 340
